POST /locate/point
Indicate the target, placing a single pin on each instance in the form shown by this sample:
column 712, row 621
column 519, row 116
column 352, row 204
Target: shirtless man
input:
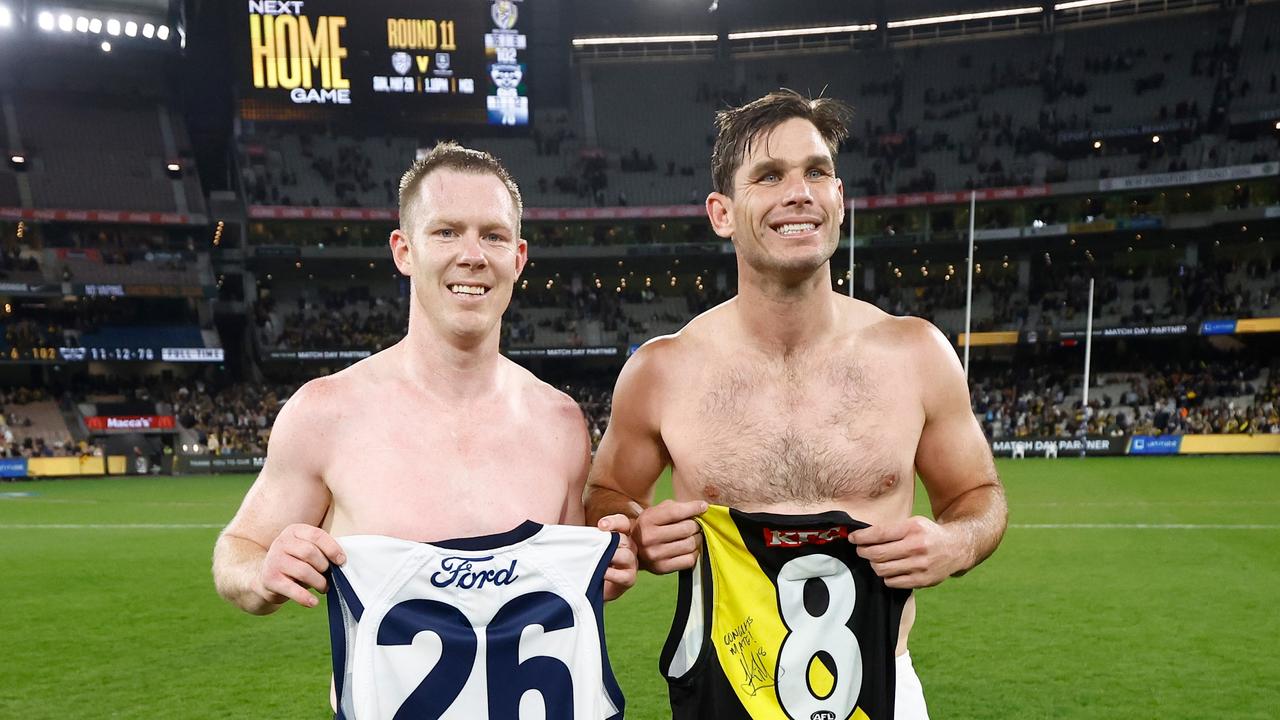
column 794, row 399
column 434, row 438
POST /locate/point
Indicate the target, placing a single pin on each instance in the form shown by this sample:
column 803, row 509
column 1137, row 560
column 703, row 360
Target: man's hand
column 295, row 563
column 667, row 537
column 621, row 575
column 911, row 553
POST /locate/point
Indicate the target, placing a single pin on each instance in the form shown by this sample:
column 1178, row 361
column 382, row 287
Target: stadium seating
column 89, row 151
column 32, row 424
column 1223, row 397
column 1260, row 63
column 981, row 112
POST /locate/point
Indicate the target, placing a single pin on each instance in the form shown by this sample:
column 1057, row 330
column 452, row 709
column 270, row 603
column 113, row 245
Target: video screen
column 459, row 61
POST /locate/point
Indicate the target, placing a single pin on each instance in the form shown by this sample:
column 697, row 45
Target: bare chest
column 808, row 434
column 436, row 477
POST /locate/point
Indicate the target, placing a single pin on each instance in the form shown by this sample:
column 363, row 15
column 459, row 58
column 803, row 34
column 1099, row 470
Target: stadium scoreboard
column 462, row 61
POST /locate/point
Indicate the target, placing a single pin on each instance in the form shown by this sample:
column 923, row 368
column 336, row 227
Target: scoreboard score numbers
column 464, row 59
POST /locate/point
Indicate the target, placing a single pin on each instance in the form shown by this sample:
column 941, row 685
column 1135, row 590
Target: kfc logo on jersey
column 458, row 570
column 796, row 538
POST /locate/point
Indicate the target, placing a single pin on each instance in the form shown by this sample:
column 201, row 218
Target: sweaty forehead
column 475, row 197
column 792, row 140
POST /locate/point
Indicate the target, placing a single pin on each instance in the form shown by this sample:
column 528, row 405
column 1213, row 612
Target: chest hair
column 804, row 432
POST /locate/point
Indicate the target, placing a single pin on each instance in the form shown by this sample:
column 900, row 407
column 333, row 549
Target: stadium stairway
column 74, row 421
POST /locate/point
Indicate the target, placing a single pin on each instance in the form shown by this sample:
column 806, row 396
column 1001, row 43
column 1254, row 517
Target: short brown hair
column 737, row 128
column 449, row 155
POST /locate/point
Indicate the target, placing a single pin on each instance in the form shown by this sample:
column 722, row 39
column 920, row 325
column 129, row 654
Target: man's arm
column 273, row 550
column 629, row 460
column 954, row 459
column 621, row 573
column 631, row 455
column 577, row 448
column 954, row 462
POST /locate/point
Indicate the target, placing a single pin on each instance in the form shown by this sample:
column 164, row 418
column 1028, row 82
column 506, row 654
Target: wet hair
column 449, row 155
column 737, row 128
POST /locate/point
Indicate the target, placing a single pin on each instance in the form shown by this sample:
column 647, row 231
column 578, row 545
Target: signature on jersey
column 756, row 674
column 462, row 572
column 741, row 643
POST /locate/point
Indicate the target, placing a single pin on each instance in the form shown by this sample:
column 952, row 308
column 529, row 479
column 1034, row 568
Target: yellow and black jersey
column 781, row 619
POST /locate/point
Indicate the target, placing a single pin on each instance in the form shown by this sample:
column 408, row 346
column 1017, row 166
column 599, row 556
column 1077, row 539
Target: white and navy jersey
column 506, row 626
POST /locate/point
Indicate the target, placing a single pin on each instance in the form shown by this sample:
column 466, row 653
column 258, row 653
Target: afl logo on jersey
column 823, row 715
column 461, row 572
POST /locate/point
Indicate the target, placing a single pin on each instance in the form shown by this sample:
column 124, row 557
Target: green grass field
column 1125, row 588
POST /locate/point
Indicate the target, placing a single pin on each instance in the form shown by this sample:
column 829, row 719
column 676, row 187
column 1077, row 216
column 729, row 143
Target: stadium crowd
column 1171, row 398
column 234, row 419
column 16, row 259
column 1055, row 298
column 331, row 319
column 1010, row 401
column 15, row 424
column 337, row 320
column 1057, row 295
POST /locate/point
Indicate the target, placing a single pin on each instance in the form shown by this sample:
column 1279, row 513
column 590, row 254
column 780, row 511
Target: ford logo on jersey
column 459, row 571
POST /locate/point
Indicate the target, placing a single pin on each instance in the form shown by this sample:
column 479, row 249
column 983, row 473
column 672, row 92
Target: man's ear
column 720, row 212
column 840, row 189
column 522, row 256
column 400, row 254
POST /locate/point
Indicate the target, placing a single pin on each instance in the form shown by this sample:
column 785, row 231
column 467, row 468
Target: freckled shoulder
column 321, row 397
column 357, row 385
column 545, row 401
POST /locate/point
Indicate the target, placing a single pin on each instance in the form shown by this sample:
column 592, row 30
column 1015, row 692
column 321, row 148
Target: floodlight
column 66, row 23
column 95, row 26
column 148, row 30
column 45, row 21
column 791, row 32
column 962, row 17
column 162, row 32
column 6, row 17
column 635, row 39
column 82, row 24
column 106, row 46
column 113, row 26
column 131, row 29
column 1076, row 4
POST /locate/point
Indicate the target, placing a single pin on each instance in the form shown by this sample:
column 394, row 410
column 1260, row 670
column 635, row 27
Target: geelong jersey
column 504, row 626
column 780, row 619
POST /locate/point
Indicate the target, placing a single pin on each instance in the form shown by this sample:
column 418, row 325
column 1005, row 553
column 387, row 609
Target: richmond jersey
column 504, row 626
column 781, row 619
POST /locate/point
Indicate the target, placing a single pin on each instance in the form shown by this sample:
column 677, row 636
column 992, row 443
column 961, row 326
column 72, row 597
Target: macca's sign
column 129, row 423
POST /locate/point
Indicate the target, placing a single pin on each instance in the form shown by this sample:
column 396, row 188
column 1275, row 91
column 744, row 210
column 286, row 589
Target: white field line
column 1017, row 526
column 1141, row 526
column 1153, row 503
column 109, row 526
